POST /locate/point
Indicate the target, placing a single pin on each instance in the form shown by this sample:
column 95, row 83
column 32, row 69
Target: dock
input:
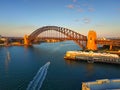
column 103, row 84
column 114, row 52
column 92, row 57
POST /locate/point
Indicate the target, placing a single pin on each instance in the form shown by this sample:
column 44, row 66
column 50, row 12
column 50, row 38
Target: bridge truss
column 78, row 38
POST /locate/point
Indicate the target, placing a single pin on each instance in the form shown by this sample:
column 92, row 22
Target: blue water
column 19, row 65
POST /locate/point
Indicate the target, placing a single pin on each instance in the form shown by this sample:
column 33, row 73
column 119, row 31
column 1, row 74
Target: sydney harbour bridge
column 61, row 33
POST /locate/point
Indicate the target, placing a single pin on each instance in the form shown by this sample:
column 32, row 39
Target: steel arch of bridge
column 76, row 37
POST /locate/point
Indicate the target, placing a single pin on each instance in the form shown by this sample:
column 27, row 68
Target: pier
column 92, row 57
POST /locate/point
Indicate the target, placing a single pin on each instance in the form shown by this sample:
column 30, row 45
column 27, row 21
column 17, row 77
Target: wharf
column 1, row 44
column 103, row 84
column 92, row 57
column 114, row 52
column 7, row 45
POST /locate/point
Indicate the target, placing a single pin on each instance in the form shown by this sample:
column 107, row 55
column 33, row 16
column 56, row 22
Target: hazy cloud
column 91, row 9
column 100, row 25
column 85, row 4
column 83, row 20
column 80, row 10
column 79, row 7
column 74, row 0
column 86, row 20
column 77, row 20
column 70, row 6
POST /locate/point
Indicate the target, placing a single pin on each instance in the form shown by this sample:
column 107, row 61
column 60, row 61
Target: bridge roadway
column 60, row 38
column 113, row 42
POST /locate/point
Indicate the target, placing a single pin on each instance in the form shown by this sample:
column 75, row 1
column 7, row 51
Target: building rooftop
column 104, row 84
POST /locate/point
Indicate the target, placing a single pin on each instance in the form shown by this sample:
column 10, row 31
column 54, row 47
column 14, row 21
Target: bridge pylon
column 91, row 44
column 26, row 40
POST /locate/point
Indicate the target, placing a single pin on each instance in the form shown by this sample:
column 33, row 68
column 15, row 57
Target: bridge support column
column 91, row 44
column 26, row 41
column 110, row 47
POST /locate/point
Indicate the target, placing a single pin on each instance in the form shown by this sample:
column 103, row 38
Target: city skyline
column 25, row 16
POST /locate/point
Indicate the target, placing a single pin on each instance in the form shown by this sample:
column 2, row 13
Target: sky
column 20, row 17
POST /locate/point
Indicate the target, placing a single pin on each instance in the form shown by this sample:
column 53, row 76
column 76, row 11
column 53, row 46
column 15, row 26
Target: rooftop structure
column 104, row 84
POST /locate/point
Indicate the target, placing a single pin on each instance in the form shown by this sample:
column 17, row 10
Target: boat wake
column 37, row 81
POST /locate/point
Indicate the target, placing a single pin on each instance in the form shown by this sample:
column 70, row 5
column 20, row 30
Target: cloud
column 77, row 20
column 74, row 0
column 100, row 25
column 86, row 20
column 85, row 4
column 83, row 20
column 70, row 6
column 80, row 10
column 91, row 9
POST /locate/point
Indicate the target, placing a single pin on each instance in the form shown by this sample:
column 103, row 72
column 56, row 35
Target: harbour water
column 19, row 65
